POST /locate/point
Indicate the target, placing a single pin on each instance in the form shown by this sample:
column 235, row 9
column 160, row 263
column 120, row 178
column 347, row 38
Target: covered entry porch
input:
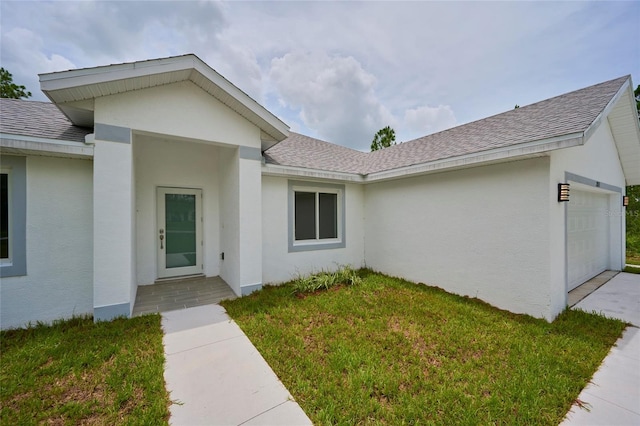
column 178, row 294
column 168, row 126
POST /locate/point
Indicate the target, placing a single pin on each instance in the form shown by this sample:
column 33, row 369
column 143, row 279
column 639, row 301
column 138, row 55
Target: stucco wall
column 180, row 109
column 179, row 164
column 230, row 217
column 598, row 160
column 59, row 280
column 250, row 230
column 113, row 230
column 278, row 264
column 480, row 232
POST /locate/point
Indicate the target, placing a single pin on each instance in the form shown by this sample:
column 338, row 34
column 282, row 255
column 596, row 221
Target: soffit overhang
column 74, row 91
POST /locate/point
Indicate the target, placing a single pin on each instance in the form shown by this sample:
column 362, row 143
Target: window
column 4, row 216
column 13, row 203
column 316, row 216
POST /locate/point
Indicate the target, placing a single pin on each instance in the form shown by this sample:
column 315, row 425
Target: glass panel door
column 179, row 233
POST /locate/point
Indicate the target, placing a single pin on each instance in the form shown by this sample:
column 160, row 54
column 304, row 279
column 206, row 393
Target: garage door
column 587, row 236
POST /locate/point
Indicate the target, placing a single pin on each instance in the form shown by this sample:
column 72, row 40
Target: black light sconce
column 563, row 192
column 625, row 201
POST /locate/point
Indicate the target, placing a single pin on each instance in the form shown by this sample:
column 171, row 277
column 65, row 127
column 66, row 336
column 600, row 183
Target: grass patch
column 325, row 280
column 632, row 270
column 633, row 258
column 78, row 372
column 390, row 351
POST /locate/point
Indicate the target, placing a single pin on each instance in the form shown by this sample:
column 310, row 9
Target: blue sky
column 340, row 71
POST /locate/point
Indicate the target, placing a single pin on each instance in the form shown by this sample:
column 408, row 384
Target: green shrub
column 324, row 280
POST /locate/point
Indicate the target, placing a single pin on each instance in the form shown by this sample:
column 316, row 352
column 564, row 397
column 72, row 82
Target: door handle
column 161, row 239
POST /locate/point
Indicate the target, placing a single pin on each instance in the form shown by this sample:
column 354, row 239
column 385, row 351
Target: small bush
column 325, row 279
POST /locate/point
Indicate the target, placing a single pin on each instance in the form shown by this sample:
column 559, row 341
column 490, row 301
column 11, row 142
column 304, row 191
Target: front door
column 179, row 232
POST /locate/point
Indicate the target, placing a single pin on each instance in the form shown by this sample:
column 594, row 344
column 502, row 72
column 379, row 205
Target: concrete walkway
column 613, row 395
column 216, row 376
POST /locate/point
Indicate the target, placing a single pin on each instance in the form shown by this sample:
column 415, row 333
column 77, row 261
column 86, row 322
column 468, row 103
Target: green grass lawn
column 632, row 270
column 633, row 257
column 387, row 351
column 78, row 372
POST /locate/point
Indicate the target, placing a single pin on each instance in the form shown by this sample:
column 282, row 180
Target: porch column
column 113, row 223
column 250, row 214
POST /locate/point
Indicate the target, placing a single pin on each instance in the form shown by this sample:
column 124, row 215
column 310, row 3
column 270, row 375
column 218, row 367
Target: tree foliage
column 633, row 221
column 633, row 209
column 637, row 95
column 8, row 89
column 384, row 138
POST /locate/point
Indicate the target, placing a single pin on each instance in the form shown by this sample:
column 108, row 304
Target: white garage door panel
column 587, row 236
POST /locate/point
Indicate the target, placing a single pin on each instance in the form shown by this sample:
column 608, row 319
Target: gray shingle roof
column 302, row 151
column 566, row 114
column 562, row 115
column 38, row 119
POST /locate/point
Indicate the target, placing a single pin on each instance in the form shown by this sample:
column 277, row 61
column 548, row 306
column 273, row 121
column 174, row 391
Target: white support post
column 113, row 220
column 250, row 203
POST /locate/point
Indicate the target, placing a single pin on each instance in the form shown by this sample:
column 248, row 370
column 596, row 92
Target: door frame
column 162, row 270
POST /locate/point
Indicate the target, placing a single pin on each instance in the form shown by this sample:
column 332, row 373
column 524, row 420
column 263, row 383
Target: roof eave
column 509, row 153
column 317, row 174
column 82, row 84
column 20, row 144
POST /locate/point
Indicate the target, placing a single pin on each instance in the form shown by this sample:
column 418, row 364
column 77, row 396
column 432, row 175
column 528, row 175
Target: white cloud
column 425, row 120
column 374, row 63
column 334, row 94
column 22, row 52
column 239, row 65
column 92, row 33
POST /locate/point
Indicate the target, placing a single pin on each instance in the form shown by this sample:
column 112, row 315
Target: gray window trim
column 293, row 247
column 18, row 203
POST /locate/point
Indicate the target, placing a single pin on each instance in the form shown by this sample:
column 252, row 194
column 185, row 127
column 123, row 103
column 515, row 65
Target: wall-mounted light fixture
column 563, row 192
column 625, row 201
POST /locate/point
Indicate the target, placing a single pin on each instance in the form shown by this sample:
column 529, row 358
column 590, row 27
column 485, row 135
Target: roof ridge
column 33, row 101
column 512, row 111
column 139, row 61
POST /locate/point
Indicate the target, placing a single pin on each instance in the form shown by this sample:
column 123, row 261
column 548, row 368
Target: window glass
column 4, row 216
column 305, row 216
column 328, row 215
column 13, row 213
column 180, row 214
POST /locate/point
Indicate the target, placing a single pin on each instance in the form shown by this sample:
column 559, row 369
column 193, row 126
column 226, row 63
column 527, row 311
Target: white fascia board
column 300, row 172
column 103, row 74
column 479, row 158
column 526, row 150
column 89, row 76
column 43, row 146
column 607, row 109
column 244, row 99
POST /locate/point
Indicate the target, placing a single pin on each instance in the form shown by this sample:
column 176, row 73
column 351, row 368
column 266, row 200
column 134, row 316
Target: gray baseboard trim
column 248, row 289
column 109, row 312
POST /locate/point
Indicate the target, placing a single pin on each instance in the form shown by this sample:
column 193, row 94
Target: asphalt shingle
column 38, row 119
column 562, row 115
column 302, row 151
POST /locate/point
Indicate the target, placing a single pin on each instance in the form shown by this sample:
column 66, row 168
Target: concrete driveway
column 613, row 395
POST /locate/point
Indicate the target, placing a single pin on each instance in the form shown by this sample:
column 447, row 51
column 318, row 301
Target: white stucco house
column 156, row 169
